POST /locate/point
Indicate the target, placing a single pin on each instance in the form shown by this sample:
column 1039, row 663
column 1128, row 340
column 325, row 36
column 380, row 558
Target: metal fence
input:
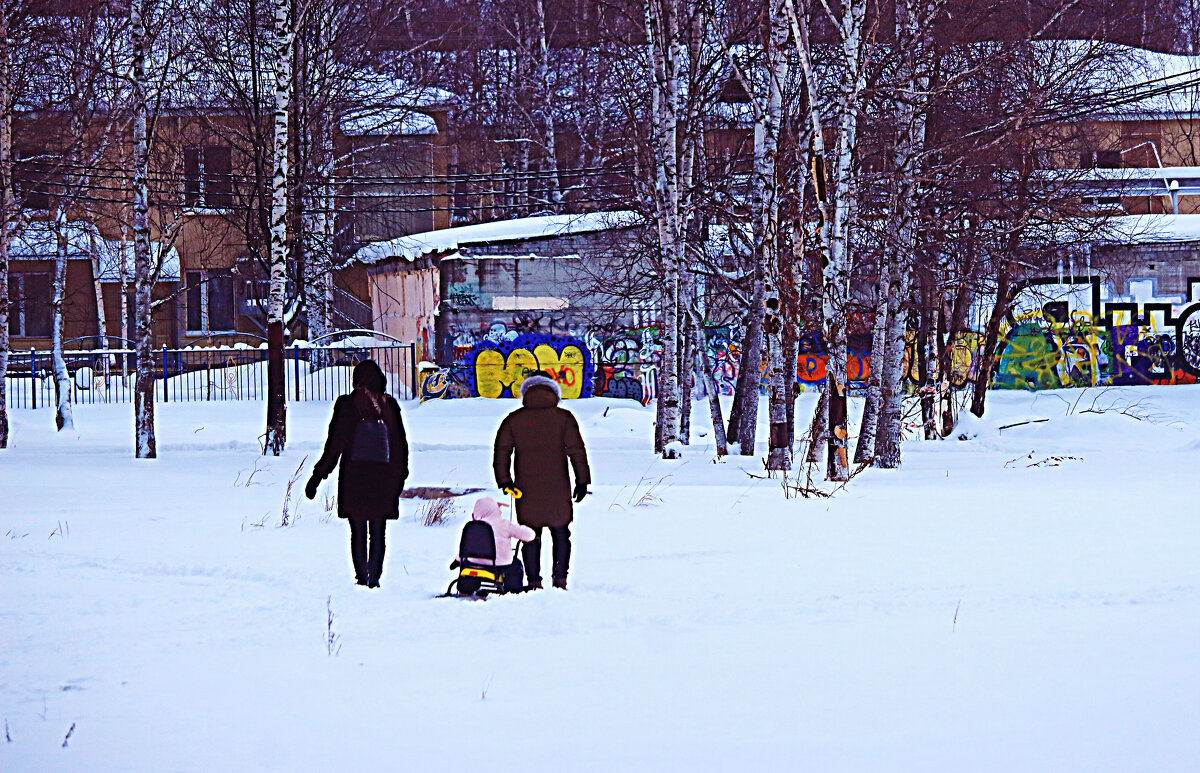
column 223, row 373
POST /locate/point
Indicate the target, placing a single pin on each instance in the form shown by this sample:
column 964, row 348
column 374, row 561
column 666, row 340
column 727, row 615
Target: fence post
column 164, row 360
column 413, row 392
column 33, row 381
column 296, row 357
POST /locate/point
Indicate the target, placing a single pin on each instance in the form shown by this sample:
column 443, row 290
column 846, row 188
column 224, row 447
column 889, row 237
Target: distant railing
column 202, row 374
column 351, row 311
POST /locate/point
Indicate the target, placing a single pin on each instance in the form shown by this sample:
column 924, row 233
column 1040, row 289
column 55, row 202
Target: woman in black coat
column 368, row 486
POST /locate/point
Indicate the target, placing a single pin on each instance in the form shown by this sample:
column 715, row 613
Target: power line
column 52, row 167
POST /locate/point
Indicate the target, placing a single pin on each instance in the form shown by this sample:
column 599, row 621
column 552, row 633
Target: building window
column 209, row 301
column 208, row 176
column 256, row 287
column 29, row 309
column 1100, row 159
column 463, row 208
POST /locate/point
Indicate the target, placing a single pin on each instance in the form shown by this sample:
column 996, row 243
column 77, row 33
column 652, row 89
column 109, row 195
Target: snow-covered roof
column 37, row 240
column 387, row 106
column 1151, row 229
column 520, row 229
column 388, row 122
column 1152, row 72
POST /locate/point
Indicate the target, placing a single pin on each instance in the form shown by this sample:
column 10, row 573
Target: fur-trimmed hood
column 539, row 380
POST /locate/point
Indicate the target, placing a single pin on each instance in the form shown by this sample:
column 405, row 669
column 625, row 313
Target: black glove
column 580, row 491
column 310, row 488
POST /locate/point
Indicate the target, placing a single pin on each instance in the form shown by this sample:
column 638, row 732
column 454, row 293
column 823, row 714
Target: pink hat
column 484, row 508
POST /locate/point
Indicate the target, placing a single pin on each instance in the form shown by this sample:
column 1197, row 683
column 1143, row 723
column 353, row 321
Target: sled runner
column 478, row 576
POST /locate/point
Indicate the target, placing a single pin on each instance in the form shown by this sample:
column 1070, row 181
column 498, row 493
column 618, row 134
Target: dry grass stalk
column 435, row 512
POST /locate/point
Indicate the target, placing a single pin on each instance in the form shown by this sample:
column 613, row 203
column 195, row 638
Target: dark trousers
column 561, row 549
column 368, row 564
column 514, row 577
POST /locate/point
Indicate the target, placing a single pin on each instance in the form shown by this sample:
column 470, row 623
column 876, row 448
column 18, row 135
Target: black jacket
column 365, row 489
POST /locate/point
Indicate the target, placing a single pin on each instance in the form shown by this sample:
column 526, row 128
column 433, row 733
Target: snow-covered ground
column 986, row 608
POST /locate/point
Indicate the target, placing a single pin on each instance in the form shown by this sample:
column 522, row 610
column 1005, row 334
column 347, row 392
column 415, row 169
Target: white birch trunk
column 864, row 452
column 146, row 446
column 913, row 34
column 666, row 54
column 544, row 105
column 705, row 377
column 276, row 431
column 819, row 430
column 7, row 212
column 318, row 237
column 124, row 269
column 101, row 316
column 779, row 454
column 63, row 418
column 836, row 278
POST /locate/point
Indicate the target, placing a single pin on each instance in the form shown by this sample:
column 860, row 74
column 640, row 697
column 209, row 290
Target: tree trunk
column 891, row 424
column 837, row 214
column 704, row 376
column 743, row 417
column 865, row 451
column 947, row 410
column 63, row 418
column 779, row 453
column 276, row 432
column 790, row 355
column 544, row 109
column 7, row 213
column 319, row 238
column 145, row 445
column 819, row 427
column 666, row 60
column 913, row 34
column 686, row 357
column 927, row 358
column 124, row 269
column 983, row 376
column 101, row 315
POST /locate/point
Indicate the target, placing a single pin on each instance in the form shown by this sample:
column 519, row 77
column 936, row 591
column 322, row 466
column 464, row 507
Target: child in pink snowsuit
column 504, row 531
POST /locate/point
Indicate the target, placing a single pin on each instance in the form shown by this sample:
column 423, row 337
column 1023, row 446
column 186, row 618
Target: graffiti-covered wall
column 1077, row 339
column 1062, row 334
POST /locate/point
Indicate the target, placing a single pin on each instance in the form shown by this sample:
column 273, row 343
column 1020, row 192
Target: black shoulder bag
column 370, row 442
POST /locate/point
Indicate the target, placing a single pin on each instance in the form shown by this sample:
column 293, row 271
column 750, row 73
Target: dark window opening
column 1100, row 159
column 208, row 176
column 29, row 309
column 209, row 300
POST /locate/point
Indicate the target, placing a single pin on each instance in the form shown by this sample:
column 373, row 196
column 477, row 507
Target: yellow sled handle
column 514, row 492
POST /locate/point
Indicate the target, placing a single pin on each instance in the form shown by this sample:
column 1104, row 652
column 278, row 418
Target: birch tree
column 284, row 34
column 848, row 74
column 764, row 79
column 880, row 429
column 10, row 16
column 671, row 159
column 145, row 442
column 82, row 63
column 768, row 201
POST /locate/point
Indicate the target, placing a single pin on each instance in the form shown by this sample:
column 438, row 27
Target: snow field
column 968, row 612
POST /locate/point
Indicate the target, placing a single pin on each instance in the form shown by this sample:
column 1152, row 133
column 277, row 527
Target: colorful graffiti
column 627, row 364
column 435, row 384
column 498, row 369
column 1050, row 344
column 1116, row 343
